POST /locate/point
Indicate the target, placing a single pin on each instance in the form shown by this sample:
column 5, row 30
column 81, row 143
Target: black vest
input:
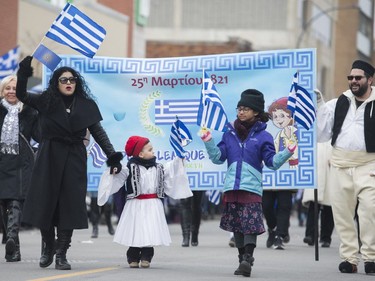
column 342, row 107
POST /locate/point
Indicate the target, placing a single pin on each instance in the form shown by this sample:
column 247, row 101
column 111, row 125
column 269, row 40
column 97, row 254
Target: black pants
column 191, row 212
column 277, row 207
column 326, row 222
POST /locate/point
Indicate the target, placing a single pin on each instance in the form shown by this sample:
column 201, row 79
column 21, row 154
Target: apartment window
column 365, row 25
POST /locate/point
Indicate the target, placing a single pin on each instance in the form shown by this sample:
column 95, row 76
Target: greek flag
column 211, row 112
column 98, row 156
column 180, row 137
column 214, row 196
column 9, row 62
column 301, row 104
column 167, row 110
column 76, row 30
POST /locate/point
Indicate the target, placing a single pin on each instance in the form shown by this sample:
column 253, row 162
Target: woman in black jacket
column 18, row 123
column 58, row 185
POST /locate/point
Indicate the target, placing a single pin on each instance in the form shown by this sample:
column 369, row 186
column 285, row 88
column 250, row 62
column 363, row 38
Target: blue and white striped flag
column 98, row 155
column 76, row 30
column 214, row 196
column 166, row 111
column 9, row 62
column 301, row 104
column 211, row 113
column 180, row 137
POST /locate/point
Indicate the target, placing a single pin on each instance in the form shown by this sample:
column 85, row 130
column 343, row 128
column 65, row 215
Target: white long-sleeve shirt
column 351, row 137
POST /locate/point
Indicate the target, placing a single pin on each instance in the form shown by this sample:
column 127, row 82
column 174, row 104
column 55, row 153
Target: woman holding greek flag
column 57, row 193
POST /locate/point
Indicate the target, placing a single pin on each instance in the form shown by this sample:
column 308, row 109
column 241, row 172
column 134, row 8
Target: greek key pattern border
column 303, row 60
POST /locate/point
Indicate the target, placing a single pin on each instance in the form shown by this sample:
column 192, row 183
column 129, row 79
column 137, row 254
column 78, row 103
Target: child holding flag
column 246, row 145
column 143, row 224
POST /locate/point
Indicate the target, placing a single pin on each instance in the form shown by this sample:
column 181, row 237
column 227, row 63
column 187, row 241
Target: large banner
column 144, row 96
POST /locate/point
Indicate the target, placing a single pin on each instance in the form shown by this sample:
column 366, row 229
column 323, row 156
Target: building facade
column 25, row 22
column 340, row 30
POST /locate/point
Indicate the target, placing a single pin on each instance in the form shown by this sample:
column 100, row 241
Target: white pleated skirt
column 143, row 224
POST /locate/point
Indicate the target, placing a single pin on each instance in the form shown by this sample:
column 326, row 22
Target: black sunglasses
column 356, row 77
column 64, row 80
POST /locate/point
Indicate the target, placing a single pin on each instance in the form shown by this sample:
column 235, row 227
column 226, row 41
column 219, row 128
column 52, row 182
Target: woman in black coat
column 18, row 123
column 59, row 182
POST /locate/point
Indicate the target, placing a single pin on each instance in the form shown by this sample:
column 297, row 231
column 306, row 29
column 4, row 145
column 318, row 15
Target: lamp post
column 323, row 12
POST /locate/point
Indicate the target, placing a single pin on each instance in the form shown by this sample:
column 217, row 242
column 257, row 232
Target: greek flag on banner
column 211, row 112
column 9, row 62
column 166, row 111
column 76, row 30
column 98, row 156
column 180, row 137
column 214, row 196
column 301, row 104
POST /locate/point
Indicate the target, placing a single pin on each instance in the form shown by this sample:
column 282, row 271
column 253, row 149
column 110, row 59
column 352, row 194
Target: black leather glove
column 113, row 161
column 25, row 68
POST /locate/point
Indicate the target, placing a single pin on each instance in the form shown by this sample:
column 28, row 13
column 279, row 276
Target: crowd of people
column 62, row 116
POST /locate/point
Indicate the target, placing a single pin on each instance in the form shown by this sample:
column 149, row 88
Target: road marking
column 75, row 274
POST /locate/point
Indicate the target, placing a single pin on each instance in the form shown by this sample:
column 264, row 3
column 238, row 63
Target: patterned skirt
column 245, row 218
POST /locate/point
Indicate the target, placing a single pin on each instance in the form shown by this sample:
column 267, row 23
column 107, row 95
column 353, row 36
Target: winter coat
column 15, row 170
column 245, row 159
column 59, row 181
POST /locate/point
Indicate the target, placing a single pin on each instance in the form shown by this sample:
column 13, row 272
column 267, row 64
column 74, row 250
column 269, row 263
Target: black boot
column 95, row 231
column 108, row 216
column 196, row 214
column 94, row 217
column 247, row 260
column 12, row 250
column 48, row 247
column 12, row 246
column 3, row 221
column 241, row 252
column 185, row 222
column 63, row 243
column 194, row 232
column 246, row 264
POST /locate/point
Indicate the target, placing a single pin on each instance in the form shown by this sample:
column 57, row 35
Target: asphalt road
column 213, row 259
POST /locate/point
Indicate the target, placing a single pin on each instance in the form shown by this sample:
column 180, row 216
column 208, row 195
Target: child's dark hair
column 264, row 116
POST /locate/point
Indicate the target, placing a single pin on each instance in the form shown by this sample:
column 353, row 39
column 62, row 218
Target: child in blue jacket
column 246, row 146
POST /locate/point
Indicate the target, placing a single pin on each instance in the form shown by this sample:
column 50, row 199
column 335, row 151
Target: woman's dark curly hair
column 52, row 93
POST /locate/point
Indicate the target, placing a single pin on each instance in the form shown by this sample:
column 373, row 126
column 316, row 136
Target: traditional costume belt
column 147, row 196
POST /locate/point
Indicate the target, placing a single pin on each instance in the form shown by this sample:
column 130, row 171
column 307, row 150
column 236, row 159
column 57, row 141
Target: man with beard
column 349, row 121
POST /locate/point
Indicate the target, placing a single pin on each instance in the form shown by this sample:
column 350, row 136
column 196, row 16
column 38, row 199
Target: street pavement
column 102, row 259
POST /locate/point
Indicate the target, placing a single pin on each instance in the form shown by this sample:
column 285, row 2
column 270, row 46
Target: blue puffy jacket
column 245, row 159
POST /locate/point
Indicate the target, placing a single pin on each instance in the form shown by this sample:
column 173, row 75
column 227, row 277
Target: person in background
column 18, row 123
column 246, row 147
column 191, row 213
column 2, row 228
column 96, row 211
column 277, row 204
column 324, row 204
column 349, row 122
column 66, row 110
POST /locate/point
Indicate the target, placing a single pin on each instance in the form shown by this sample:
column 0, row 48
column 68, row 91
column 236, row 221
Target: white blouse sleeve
column 325, row 118
column 176, row 181
column 110, row 184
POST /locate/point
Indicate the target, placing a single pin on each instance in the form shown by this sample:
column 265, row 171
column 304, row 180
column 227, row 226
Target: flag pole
column 38, row 45
column 204, row 128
